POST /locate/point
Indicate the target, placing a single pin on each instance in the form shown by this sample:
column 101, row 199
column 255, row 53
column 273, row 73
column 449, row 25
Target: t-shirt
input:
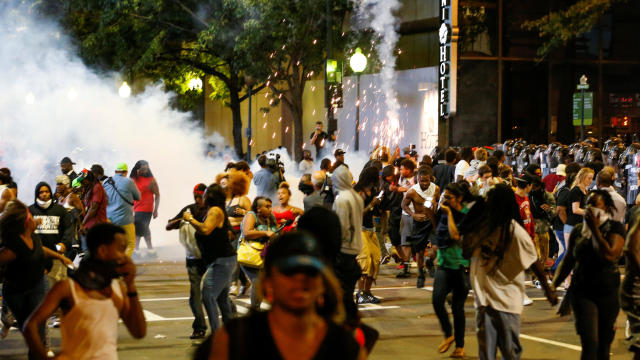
column 550, row 181
column 576, row 195
column 119, row 210
column 503, row 289
column 451, row 258
column 525, row 214
column 266, row 184
column 27, row 269
column 444, row 175
column 562, row 200
column 319, row 144
column 461, row 168
column 96, row 195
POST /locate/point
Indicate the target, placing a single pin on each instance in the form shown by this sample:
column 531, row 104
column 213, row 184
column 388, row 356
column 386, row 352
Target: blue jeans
column 252, row 274
column 196, row 269
column 215, row 290
column 562, row 248
column 23, row 303
column 497, row 329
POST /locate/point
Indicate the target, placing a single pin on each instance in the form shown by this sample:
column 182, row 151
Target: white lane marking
column 263, row 306
column 366, row 307
column 551, row 342
column 149, row 316
column 165, row 299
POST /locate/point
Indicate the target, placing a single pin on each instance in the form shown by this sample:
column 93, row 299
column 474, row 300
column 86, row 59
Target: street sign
column 588, row 108
column 583, row 86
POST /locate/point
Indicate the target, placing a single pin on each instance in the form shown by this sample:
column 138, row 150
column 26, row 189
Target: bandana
column 44, row 204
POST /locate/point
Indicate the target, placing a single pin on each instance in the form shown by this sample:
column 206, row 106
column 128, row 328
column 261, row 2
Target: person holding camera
column 266, row 182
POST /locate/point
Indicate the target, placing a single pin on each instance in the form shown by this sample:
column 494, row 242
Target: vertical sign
column 447, row 67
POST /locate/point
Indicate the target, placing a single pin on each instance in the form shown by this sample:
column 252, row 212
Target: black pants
column 595, row 319
column 348, row 272
column 446, row 281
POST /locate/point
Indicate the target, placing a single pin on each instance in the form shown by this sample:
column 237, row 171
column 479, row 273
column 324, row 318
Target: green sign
column 588, row 108
column 334, row 71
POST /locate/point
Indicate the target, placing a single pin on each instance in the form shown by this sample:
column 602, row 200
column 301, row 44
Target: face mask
column 44, row 204
column 95, row 274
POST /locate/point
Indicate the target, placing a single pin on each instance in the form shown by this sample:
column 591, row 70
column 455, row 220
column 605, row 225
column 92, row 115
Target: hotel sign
column 447, row 67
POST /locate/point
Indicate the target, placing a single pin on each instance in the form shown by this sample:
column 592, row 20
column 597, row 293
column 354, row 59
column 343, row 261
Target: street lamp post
column 584, row 85
column 249, row 81
column 358, row 63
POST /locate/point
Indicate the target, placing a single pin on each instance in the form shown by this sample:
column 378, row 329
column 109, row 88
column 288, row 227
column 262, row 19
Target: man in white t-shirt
column 497, row 276
column 466, row 155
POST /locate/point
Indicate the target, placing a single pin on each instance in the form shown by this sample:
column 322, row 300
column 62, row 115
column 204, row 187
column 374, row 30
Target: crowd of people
column 466, row 217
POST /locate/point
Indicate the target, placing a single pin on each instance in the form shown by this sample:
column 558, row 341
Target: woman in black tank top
column 305, row 315
column 213, row 238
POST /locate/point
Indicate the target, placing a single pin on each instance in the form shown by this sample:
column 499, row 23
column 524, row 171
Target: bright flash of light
column 125, row 90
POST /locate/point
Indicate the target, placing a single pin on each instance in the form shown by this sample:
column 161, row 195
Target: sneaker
column 404, row 273
column 537, row 284
column 372, row 299
column 420, row 282
column 385, row 259
column 457, row 353
column 197, row 334
column 152, row 254
column 362, row 298
column 527, row 301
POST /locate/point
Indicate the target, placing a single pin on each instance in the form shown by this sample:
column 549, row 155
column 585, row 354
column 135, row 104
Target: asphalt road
column 405, row 319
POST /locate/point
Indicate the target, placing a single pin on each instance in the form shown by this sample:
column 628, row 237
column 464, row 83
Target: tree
column 165, row 40
column 559, row 27
column 288, row 42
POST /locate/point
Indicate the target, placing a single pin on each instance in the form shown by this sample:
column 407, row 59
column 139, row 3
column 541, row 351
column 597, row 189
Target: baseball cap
column 560, row 170
column 338, row 152
column 199, row 189
column 294, row 252
column 66, row 160
column 528, row 178
column 122, row 167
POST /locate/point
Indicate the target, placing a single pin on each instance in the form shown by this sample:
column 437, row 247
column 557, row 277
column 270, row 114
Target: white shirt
column 620, row 205
column 503, row 289
column 305, row 167
column 461, row 167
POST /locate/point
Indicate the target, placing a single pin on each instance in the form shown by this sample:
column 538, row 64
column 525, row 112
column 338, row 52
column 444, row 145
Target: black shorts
column 142, row 221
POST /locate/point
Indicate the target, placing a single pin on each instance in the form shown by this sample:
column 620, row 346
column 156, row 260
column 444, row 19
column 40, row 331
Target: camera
column 275, row 166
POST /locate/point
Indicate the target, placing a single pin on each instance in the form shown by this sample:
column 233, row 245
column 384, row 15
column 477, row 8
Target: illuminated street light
column 358, row 63
column 125, row 90
column 195, row 84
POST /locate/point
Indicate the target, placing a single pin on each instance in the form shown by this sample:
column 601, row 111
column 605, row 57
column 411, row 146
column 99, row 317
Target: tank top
column 250, row 338
column 282, row 217
column 231, row 209
column 427, row 195
column 90, row 329
column 145, row 204
column 216, row 244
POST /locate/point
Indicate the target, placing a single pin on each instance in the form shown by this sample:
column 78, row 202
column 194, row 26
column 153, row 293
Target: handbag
column 250, row 254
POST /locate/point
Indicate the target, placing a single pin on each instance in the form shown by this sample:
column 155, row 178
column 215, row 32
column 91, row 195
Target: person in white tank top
column 92, row 305
column 420, row 203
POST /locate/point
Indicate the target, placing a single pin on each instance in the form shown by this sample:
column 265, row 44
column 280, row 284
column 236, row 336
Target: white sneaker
column 527, row 301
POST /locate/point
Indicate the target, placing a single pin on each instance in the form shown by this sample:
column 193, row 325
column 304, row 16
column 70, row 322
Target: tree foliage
column 559, row 27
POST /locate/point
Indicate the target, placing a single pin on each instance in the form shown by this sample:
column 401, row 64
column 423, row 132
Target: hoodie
column 349, row 206
column 55, row 226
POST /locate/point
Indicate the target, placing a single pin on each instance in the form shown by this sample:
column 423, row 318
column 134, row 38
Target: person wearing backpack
column 121, row 192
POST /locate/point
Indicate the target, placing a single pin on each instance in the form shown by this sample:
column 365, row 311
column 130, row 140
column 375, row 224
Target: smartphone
column 380, row 195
